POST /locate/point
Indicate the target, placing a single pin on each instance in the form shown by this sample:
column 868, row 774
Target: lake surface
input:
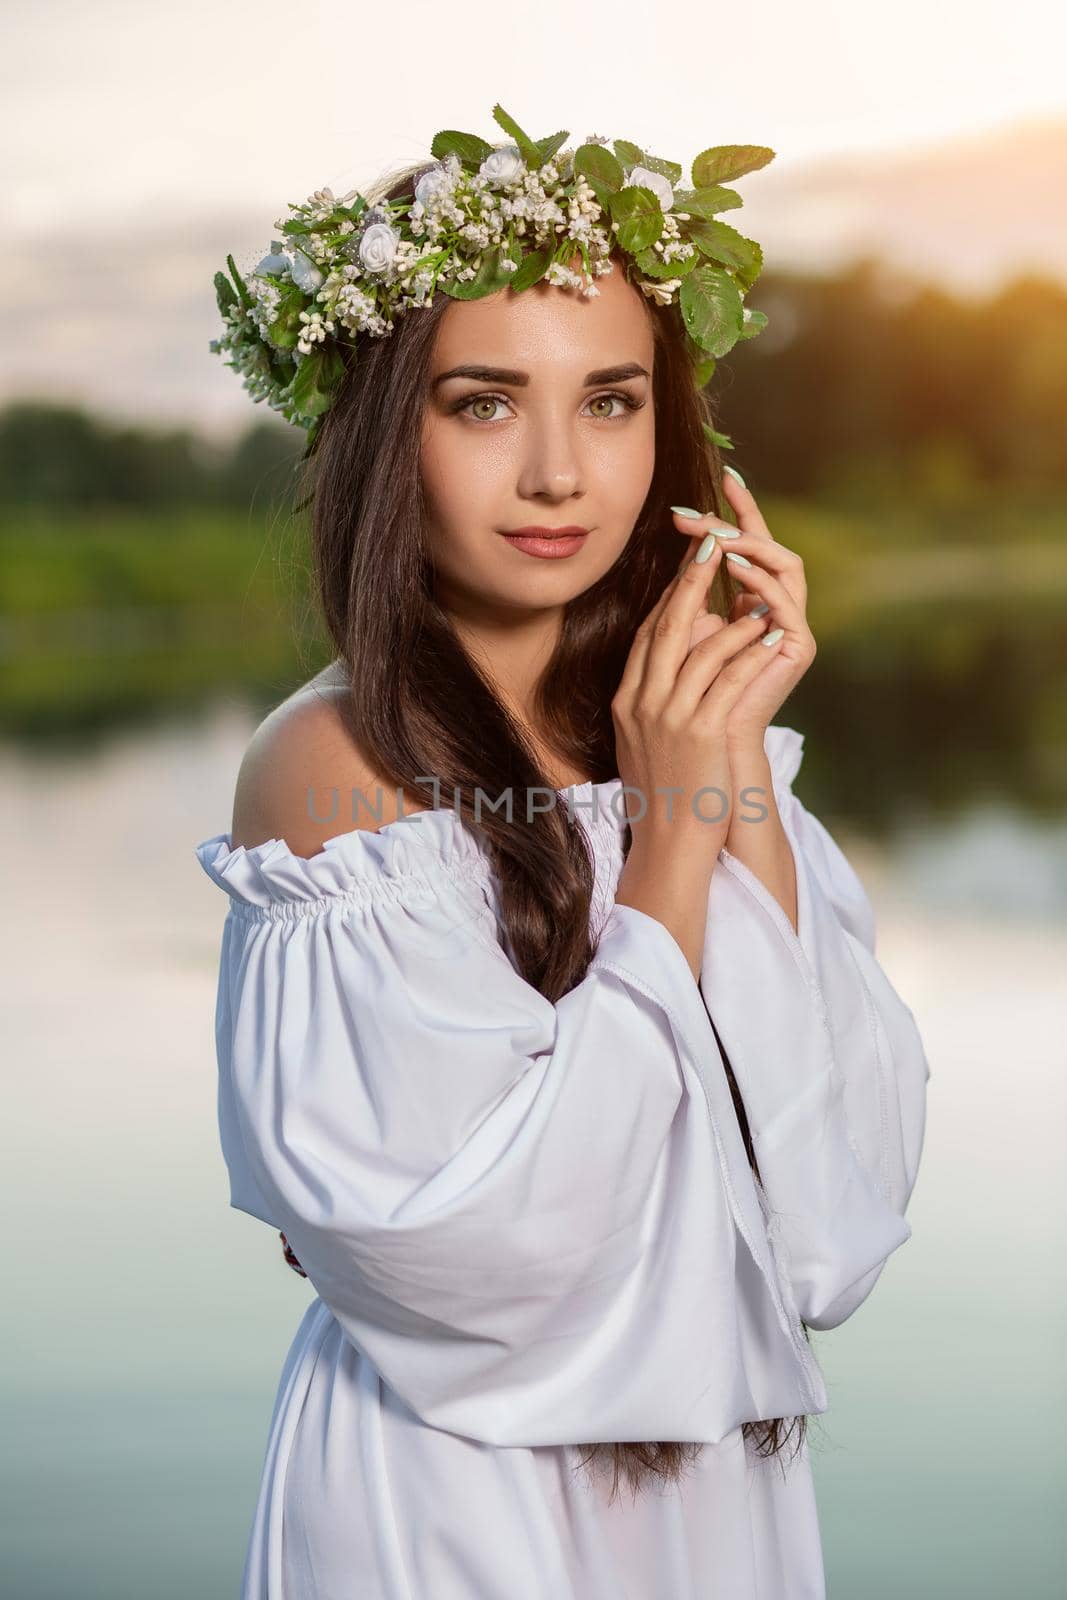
column 145, row 1322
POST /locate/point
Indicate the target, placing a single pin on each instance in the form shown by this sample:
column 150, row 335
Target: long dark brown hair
column 418, row 703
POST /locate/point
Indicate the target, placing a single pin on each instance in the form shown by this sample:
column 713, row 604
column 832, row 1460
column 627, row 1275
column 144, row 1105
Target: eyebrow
column 518, row 380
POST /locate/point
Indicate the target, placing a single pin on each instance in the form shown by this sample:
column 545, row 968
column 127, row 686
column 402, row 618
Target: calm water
column 145, row 1322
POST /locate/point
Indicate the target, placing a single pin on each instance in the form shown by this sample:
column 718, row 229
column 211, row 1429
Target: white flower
column 377, row 248
column 655, row 181
column 503, row 165
column 275, row 262
column 305, row 274
column 433, row 183
column 660, row 292
column 314, row 331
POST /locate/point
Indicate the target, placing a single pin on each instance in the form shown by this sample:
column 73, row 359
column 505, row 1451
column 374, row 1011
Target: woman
column 577, row 1113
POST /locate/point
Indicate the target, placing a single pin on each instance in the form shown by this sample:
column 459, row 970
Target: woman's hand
column 775, row 577
column 671, row 712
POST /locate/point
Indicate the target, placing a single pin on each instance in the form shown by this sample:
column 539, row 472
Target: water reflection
column 146, row 1322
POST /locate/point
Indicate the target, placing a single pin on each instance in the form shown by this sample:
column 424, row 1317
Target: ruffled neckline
column 413, row 853
column 407, row 855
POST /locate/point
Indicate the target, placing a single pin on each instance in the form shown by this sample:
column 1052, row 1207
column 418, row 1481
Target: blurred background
column 903, row 423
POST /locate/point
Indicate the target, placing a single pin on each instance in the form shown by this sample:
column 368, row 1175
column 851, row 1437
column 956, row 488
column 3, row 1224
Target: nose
column 551, row 467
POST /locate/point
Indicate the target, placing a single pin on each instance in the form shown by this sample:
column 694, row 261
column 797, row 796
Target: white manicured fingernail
column 707, row 545
column 734, row 474
column 761, row 610
column 772, row 637
column 742, row 561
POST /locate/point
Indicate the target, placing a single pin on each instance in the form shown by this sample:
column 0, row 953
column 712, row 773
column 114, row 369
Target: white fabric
column 534, row 1226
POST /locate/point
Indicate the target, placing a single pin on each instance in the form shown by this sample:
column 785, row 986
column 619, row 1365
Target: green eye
column 628, row 402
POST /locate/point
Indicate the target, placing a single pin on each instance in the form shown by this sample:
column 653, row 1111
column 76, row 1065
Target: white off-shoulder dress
column 532, row 1226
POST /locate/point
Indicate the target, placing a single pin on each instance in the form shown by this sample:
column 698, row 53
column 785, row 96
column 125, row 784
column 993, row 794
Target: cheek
column 461, row 473
column 624, row 464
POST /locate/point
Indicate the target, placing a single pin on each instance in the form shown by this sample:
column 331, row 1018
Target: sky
column 118, row 109
column 141, row 143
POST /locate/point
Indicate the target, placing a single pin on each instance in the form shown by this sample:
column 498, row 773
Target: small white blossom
column 315, row 329
column 662, row 293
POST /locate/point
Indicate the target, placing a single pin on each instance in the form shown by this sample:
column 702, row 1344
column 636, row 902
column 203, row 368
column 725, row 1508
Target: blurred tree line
column 910, row 444
column 861, row 382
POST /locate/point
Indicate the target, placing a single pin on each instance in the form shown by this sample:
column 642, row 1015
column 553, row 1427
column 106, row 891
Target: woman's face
column 543, row 442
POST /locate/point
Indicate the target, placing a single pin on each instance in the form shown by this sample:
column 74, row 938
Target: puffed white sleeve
column 827, row 1057
column 516, row 1210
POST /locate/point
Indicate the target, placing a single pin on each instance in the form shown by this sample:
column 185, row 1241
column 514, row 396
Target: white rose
column 655, row 181
column 377, row 248
column 431, row 184
column 503, row 165
column 303, row 271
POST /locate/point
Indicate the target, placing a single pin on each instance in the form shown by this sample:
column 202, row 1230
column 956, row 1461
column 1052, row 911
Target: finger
column 711, row 657
column 727, row 687
column 633, row 671
column 668, row 640
column 784, row 564
column 692, row 545
column 742, row 503
column 784, row 608
column 761, row 547
column 707, row 624
column 698, row 524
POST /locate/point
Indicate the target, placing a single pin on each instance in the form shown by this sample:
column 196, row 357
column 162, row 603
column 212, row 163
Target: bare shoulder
column 302, row 775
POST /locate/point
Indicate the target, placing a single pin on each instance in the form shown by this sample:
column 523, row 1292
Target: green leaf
column 725, row 245
column 637, row 216
column 224, row 293
column 711, row 309
column 654, row 266
column 726, row 161
column 721, row 439
column 702, row 371
column 635, row 157
column 603, row 173
column 487, row 280
column 596, row 163
column 471, row 150
column 246, row 298
column 533, row 268
column 528, row 148
column 706, row 202
column 285, row 329
column 755, row 324
column 631, row 155
column 259, row 364
column 317, row 376
column 548, row 147
column 747, row 275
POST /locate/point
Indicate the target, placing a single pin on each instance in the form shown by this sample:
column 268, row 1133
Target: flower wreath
column 482, row 219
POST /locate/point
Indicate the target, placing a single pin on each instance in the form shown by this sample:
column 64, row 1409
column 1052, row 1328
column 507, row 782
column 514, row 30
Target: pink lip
column 548, row 543
column 543, row 533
